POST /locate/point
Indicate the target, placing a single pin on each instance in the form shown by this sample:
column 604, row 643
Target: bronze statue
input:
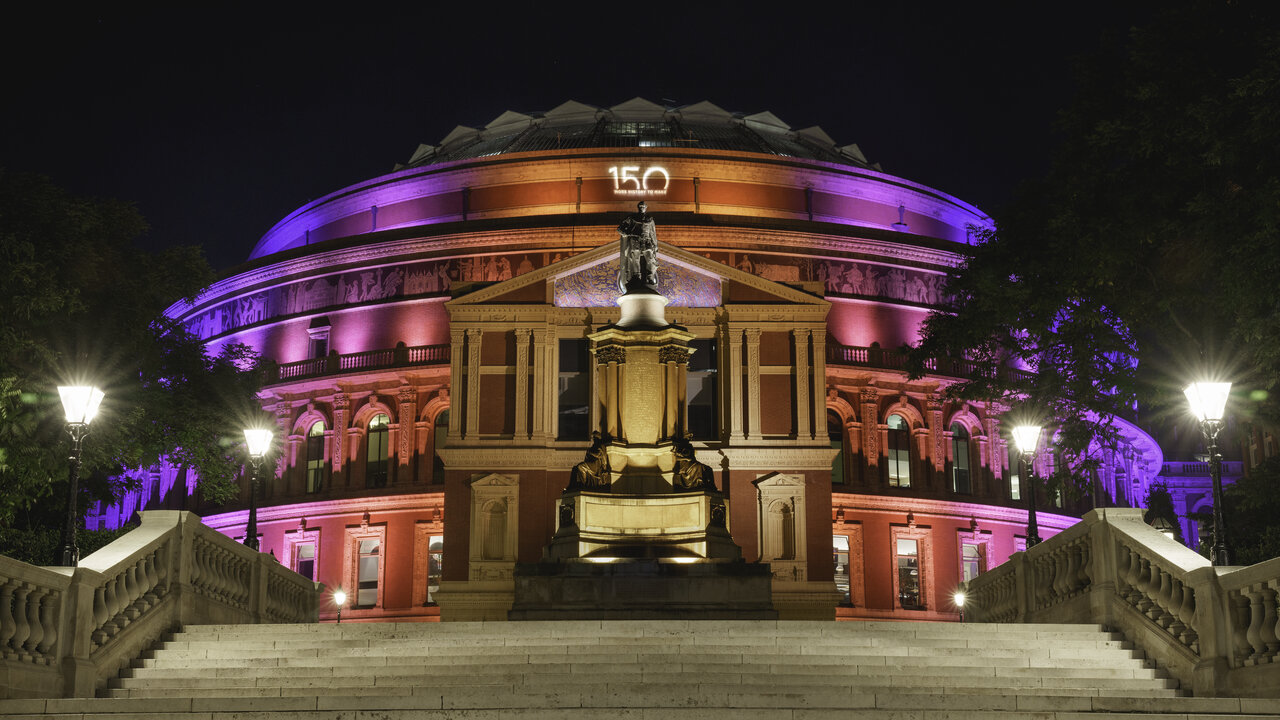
column 638, row 244
column 593, row 472
column 689, row 474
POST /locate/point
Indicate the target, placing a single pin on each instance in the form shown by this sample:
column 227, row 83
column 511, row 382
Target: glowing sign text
column 628, row 181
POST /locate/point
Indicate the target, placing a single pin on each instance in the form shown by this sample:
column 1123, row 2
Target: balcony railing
column 1195, row 468
column 384, row 359
column 889, row 359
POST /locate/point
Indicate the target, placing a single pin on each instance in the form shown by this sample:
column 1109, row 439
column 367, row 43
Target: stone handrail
column 65, row 631
column 1214, row 629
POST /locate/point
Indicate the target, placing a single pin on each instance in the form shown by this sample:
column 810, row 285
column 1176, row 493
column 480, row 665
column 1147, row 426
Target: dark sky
column 219, row 123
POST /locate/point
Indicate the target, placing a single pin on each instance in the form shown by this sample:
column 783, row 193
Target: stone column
column 753, row 383
column 610, row 360
column 457, row 348
column 803, row 430
column 819, row 382
column 937, row 439
column 408, row 400
column 289, row 457
column 734, row 385
column 474, row 336
column 522, row 383
column 540, row 385
column 341, row 405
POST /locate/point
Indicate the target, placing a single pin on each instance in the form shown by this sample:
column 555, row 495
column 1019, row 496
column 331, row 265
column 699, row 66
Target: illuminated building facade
column 434, row 384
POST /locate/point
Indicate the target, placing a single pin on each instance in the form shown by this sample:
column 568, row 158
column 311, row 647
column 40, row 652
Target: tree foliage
column 1148, row 256
column 82, row 303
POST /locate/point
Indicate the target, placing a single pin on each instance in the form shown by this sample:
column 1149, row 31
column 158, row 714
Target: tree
column 1148, row 255
column 82, row 303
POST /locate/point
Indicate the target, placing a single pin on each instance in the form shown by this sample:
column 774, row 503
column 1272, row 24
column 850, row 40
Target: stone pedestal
column 606, row 526
column 642, row 590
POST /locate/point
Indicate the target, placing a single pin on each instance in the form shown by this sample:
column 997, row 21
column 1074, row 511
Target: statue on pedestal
column 689, row 474
column 593, row 472
column 638, row 241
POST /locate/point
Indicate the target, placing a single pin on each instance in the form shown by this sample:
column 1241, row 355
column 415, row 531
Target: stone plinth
column 642, row 590
column 677, row 525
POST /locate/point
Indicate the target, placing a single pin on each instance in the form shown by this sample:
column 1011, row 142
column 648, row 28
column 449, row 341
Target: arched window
column 375, row 468
column 835, row 434
column 899, row 452
column 438, row 436
column 315, row 457
column 960, row 459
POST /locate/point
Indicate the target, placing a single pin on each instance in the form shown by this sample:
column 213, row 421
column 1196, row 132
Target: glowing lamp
column 1208, row 399
column 80, row 403
column 339, row 597
column 1027, row 438
column 960, row 598
column 258, row 440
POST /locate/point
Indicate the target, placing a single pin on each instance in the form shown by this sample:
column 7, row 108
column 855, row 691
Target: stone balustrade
column 1214, row 629
column 65, row 631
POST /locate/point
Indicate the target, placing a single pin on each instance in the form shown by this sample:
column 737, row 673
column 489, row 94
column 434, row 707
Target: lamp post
column 1027, row 438
column 959, row 599
column 339, row 599
column 258, row 441
column 80, row 405
column 1208, row 400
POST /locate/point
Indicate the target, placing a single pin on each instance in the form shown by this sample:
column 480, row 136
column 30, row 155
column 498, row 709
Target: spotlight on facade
column 1208, row 402
column 339, row 599
column 1027, row 438
column 80, row 404
column 258, row 441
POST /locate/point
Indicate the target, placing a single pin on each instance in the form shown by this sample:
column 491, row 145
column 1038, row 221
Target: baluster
column 1123, row 567
column 22, row 626
column 1134, row 578
column 1073, row 567
column 1143, row 585
column 1268, row 629
column 36, row 632
column 1163, row 598
column 1176, row 626
column 49, row 621
column 130, row 576
column 121, row 618
column 149, row 571
column 1240, row 618
column 160, row 563
column 141, row 603
column 1190, row 637
column 100, row 617
column 8, row 624
column 1084, row 575
column 1254, row 634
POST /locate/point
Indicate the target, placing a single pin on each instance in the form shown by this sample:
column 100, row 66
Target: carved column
column 457, row 346
column 802, row 400
column 734, row 385
column 608, row 362
column 341, row 404
column 870, row 427
column 753, row 383
column 540, row 387
column 675, row 359
column 474, row 336
column 289, row 458
column 992, row 455
column 936, row 438
column 408, row 399
column 819, row 382
column 522, row 383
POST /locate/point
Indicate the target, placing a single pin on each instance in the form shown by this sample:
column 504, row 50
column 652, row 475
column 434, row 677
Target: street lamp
column 258, row 441
column 959, row 599
column 80, row 404
column 339, row 599
column 1208, row 401
column 1027, row 438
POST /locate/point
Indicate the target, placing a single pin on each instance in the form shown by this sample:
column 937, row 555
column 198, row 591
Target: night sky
column 218, row 125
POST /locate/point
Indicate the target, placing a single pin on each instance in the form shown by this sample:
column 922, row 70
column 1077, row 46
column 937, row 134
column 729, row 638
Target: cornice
column 945, row 509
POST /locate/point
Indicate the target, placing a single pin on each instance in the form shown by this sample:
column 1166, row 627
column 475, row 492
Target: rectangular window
column 367, row 573
column 315, row 461
column 319, row 346
column 574, row 418
column 908, row 557
column 304, row 562
column 971, row 560
column 435, row 566
column 840, row 557
column 701, row 390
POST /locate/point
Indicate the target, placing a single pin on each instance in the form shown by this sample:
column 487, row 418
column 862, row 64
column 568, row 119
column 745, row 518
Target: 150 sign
column 629, row 181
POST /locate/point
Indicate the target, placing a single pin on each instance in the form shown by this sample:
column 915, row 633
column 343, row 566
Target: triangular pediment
column 590, row 280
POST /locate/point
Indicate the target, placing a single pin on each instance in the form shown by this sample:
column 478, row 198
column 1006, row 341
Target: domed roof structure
column 637, row 123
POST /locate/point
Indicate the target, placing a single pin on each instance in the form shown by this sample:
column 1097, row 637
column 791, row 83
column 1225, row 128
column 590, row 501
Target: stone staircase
column 642, row 669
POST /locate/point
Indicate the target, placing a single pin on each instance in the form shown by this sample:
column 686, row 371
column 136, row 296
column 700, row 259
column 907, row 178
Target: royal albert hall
column 433, row 381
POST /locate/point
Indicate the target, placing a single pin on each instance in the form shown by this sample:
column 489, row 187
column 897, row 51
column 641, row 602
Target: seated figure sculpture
column 593, row 472
column 689, row 474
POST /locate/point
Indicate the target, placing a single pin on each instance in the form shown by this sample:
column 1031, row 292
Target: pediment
column 779, row 480
column 590, row 280
column 494, row 480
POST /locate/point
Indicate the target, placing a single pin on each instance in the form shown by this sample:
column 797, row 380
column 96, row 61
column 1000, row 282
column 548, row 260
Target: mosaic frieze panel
column 843, row 277
column 360, row 286
column 597, row 286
